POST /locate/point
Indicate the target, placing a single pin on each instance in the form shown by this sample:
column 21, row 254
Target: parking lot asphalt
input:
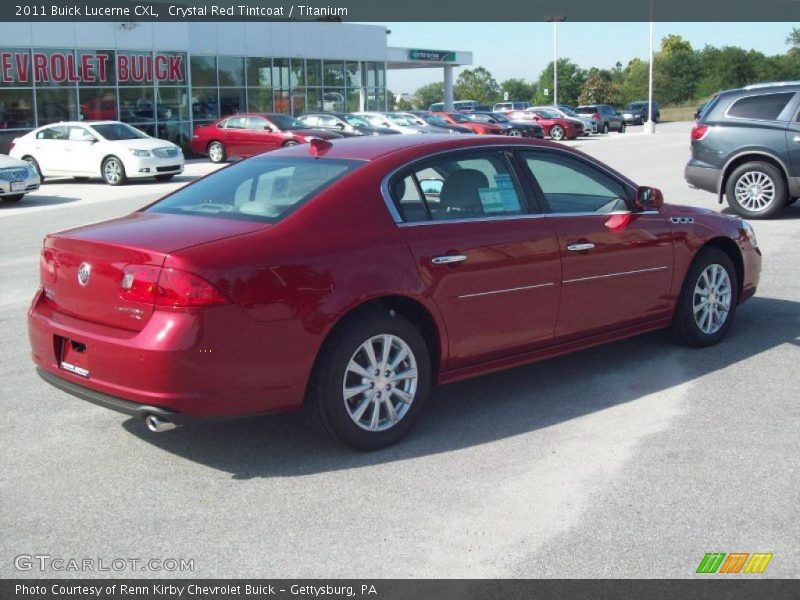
column 629, row 460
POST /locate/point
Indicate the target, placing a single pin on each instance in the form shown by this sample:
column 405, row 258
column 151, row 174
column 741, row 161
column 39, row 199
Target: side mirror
column 492, row 121
column 267, row 128
column 339, row 125
column 649, row 198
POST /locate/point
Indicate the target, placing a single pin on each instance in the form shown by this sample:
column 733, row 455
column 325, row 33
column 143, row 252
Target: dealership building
column 165, row 78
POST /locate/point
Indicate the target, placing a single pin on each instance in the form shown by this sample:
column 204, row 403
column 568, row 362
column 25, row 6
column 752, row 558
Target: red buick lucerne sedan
column 347, row 278
column 248, row 134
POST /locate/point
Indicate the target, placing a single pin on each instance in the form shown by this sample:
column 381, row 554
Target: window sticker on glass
column 502, row 198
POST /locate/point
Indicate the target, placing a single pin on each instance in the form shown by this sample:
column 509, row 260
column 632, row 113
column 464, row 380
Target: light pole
column 650, row 126
column 555, row 20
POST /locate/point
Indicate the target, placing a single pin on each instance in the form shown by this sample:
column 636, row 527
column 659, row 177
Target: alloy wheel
column 557, row 133
column 755, row 191
column 711, row 301
column 216, row 152
column 515, row 133
column 112, row 170
column 380, row 382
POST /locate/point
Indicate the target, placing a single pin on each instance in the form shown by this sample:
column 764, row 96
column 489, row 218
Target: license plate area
column 17, row 186
column 74, row 357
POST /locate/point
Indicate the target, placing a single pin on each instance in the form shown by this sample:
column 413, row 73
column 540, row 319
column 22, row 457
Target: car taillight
column 11, row 145
column 596, row 116
column 699, row 132
column 167, row 287
column 47, row 266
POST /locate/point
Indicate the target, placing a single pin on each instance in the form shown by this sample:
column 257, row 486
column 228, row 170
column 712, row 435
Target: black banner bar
column 710, row 588
column 399, row 10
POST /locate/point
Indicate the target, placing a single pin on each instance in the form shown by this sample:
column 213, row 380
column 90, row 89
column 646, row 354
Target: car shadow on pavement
column 787, row 214
column 486, row 409
column 34, row 200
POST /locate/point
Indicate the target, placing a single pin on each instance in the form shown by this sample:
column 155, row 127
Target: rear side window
column 766, row 107
column 473, row 186
column 260, row 189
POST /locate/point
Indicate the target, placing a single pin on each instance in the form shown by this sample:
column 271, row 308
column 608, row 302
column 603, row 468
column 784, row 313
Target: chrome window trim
column 620, row 274
column 770, row 93
column 506, row 290
column 390, row 205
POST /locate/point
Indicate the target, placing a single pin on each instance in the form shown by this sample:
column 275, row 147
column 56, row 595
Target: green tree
column 405, row 105
column 598, row 90
column 570, row 83
column 518, row 90
column 676, row 72
column 634, row 84
column 429, row 94
column 793, row 39
column 477, row 84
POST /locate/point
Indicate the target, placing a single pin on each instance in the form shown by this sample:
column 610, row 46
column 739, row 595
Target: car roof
column 63, row 123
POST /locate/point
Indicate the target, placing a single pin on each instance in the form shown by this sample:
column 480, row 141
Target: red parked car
column 249, row 134
column 462, row 120
column 555, row 127
column 347, row 278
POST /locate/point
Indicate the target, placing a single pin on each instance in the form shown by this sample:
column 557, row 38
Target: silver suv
column 746, row 147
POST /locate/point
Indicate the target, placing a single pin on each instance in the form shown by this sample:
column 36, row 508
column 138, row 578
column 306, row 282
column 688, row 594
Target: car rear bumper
column 701, row 176
column 197, row 364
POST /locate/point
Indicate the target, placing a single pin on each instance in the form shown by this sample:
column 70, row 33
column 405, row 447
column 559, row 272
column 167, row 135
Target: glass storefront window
column 353, row 74
column 231, row 71
column 55, row 105
column 282, row 102
column 98, row 104
column 353, row 99
column 369, row 74
column 136, row 105
column 205, row 104
column 204, row 71
column 231, row 101
column 97, row 68
column 135, row 68
column 313, row 100
column 172, row 104
column 54, row 68
column 171, row 69
column 333, row 73
column 313, row 72
column 259, row 100
column 259, row 73
column 177, row 132
column 333, row 100
column 380, row 72
column 298, row 72
column 16, row 109
column 280, row 72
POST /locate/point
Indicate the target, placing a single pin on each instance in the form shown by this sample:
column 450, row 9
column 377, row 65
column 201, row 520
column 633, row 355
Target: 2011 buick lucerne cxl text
column 348, row 277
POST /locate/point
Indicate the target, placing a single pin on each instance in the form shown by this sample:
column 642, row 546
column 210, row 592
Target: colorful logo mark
column 719, row 562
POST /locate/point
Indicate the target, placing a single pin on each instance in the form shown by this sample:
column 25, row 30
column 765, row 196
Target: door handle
column 448, row 259
column 580, row 247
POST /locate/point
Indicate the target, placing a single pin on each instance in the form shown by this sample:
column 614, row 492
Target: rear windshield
column 586, row 110
column 259, row 189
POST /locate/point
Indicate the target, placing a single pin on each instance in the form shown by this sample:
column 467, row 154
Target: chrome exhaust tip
column 158, row 424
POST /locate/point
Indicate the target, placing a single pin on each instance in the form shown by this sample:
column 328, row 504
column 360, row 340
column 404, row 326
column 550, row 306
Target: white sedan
column 112, row 150
column 16, row 179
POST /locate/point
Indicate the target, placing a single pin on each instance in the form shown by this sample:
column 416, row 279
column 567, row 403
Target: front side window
column 118, row 131
column 79, row 134
column 572, row 186
column 766, row 107
column 260, row 189
column 473, row 186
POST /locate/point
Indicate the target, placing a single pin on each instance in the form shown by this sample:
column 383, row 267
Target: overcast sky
column 524, row 49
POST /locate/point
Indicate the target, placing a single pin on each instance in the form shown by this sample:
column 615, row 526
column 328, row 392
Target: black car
column 345, row 124
column 746, row 147
column 511, row 127
column 635, row 113
column 424, row 117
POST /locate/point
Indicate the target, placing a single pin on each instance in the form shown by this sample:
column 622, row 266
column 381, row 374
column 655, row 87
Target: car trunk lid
column 82, row 270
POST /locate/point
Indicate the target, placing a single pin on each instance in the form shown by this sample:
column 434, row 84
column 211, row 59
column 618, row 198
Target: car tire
column 556, row 133
column 756, row 190
column 352, row 420
column 12, row 198
column 622, row 128
column 712, row 275
column 216, row 152
column 289, row 144
column 605, row 127
column 113, row 171
column 164, row 177
column 35, row 163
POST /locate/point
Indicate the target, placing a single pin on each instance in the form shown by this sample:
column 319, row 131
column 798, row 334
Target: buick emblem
column 83, row 273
